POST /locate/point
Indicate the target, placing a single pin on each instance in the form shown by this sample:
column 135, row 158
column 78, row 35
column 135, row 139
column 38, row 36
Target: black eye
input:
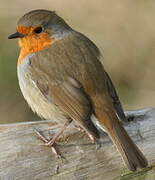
column 38, row 30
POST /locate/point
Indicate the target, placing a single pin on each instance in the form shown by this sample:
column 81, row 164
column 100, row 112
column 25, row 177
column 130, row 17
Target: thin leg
column 50, row 142
column 91, row 137
column 79, row 128
column 45, row 140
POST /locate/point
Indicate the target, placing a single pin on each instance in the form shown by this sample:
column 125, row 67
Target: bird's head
column 37, row 30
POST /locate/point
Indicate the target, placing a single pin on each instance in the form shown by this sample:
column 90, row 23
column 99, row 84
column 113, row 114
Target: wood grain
column 24, row 157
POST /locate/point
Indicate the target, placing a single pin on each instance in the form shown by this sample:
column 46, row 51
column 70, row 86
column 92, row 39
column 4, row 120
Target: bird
column 62, row 78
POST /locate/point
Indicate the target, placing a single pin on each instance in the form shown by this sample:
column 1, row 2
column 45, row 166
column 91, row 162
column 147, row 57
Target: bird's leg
column 50, row 142
column 79, row 128
column 90, row 136
column 45, row 140
column 94, row 140
column 56, row 136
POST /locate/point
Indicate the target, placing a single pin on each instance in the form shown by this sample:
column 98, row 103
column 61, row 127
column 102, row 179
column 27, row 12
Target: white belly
column 36, row 100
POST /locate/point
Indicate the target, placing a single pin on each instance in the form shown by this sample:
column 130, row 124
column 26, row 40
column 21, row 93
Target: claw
column 51, row 142
column 47, row 143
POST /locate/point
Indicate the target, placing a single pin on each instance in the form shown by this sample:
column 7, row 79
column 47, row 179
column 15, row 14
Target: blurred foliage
column 123, row 30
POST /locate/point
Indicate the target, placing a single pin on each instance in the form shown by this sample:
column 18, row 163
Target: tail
column 131, row 155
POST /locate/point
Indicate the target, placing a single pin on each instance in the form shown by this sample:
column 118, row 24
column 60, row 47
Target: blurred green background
column 124, row 30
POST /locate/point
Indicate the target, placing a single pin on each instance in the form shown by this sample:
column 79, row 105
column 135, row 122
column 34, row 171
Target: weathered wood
column 23, row 157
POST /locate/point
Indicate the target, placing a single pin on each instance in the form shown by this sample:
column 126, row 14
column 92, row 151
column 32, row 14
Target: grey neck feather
column 59, row 31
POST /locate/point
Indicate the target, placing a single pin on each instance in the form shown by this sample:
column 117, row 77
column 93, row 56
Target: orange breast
column 32, row 42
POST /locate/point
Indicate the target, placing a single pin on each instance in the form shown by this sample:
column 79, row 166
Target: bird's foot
column 79, row 128
column 91, row 137
column 51, row 142
column 48, row 142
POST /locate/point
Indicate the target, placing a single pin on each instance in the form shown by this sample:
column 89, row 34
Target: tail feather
column 131, row 155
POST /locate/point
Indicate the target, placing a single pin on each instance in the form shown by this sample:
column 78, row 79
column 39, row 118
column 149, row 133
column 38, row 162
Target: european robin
column 62, row 78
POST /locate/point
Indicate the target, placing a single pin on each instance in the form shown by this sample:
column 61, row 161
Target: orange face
column 32, row 41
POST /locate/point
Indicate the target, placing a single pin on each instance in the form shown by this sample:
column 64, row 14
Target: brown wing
column 72, row 100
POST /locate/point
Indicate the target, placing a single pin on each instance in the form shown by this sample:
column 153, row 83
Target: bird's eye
column 38, row 30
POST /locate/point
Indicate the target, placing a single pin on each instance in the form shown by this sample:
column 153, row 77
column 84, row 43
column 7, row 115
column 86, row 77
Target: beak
column 16, row 35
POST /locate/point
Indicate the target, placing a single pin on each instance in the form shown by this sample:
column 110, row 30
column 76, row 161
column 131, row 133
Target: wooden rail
column 24, row 157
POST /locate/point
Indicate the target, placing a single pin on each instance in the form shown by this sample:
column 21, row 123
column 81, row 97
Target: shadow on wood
column 23, row 156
